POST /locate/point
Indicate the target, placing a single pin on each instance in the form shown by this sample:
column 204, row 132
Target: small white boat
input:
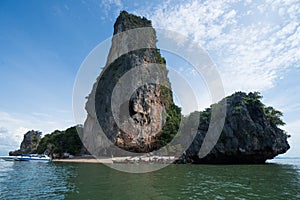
column 28, row 157
column 33, row 157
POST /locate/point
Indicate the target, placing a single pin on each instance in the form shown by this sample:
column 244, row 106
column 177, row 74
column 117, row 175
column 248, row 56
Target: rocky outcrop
column 29, row 144
column 133, row 117
column 250, row 134
column 58, row 144
column 131, row 107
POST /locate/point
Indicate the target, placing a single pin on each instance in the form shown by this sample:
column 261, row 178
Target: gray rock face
column 133, row 118
column 29, row 143
column 248, row 136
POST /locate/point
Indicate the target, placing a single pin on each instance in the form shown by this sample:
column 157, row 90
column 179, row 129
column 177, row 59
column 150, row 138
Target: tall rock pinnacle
column 127, row 21
column 132, row 98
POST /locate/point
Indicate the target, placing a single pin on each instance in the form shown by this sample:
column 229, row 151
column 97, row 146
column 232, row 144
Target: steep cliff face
column 134, row 117
column 29, row 143
column 250, row 133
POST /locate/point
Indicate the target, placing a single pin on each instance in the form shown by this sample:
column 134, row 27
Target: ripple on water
column 29, row 180
column 94, row 181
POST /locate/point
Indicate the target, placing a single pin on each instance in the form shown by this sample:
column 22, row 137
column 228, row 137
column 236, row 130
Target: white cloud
column 109, row 6
column 8, row 141
column 250, row 52
column 109, row 3
column 41, row 114
column 293, row 128
column 13, row 126
column 2, row 130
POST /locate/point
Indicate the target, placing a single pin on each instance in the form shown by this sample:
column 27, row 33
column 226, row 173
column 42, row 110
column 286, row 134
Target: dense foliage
column 133, row 21
column 60, row 142
column 172, row 115
column 273, row 116
column 171, row 127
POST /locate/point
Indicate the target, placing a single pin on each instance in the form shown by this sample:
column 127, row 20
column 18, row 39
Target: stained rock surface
column 129, row 103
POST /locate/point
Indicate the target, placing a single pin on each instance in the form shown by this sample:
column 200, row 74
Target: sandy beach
column 84, row 160
column 107, row 160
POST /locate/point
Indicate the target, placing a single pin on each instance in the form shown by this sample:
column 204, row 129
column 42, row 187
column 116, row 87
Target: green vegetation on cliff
column 130, row 21
column 173, row 112
column 253, row 101
column 60, row 142
column 251, row 132
column 171, row 127
column 274, row 116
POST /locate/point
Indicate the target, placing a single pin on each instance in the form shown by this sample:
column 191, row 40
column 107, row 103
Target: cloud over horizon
column 13, row 126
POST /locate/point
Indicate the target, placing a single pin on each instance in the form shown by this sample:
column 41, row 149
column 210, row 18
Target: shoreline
column 84, row 160
column 128, row 159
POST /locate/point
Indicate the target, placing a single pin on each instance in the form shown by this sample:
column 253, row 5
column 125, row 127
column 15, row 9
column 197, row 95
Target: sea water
column 279, row 179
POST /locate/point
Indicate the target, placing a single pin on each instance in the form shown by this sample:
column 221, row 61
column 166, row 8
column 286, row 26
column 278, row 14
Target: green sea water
column 24, row 180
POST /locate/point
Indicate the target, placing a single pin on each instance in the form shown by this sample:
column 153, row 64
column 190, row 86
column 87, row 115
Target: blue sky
column 254, row 44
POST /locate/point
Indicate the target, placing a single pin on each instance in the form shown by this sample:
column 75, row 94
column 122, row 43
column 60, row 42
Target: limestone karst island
column 149, row 119
column 150, row 100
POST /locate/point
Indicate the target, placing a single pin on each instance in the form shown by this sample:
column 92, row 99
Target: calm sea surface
column 25, row 180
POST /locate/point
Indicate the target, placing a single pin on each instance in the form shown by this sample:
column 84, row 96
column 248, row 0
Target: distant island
column 150, row 119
